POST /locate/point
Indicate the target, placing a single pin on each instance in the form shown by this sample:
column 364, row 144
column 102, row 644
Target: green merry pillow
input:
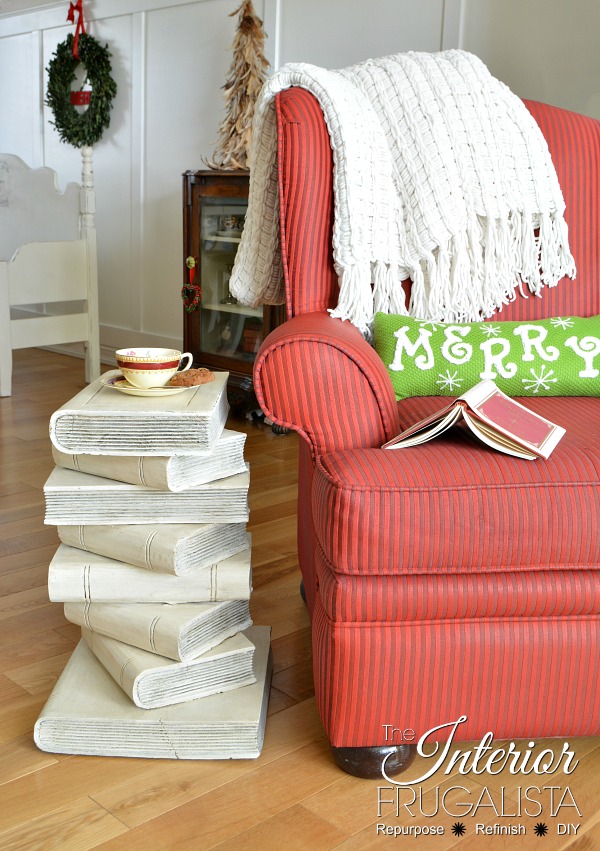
column 546, row 357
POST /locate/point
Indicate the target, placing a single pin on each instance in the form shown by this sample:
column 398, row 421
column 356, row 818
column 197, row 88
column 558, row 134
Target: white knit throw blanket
column 441, row 175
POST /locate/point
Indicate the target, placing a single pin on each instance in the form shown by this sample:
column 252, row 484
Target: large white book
column 100, row 420
column 88, row 713
column 178, row 548
column 151, row 681
column 78, row 498
column 181, row 632
column 164, row 472
column 78, row 577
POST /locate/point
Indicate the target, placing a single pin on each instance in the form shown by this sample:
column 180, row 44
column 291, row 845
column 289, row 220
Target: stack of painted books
column 150, row 497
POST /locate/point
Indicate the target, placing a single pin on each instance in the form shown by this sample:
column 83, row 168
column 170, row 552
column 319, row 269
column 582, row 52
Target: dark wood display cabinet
column 220, row 333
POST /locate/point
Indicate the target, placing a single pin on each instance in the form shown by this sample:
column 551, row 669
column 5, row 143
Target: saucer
column 117, row 382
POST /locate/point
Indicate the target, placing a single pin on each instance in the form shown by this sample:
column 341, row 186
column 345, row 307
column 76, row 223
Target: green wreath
column 80, row 129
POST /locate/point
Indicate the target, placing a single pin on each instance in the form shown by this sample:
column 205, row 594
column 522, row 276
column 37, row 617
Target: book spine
column 125, row 584
column 114, row 656
column 135, row 470
column 114, row 623
column 136, row 545
column 178, row 549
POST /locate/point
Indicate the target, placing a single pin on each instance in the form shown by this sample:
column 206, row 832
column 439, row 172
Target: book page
column 496, row 439
column 426, row 429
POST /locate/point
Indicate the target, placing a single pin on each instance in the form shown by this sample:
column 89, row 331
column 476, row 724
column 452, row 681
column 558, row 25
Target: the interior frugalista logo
column 536, row 797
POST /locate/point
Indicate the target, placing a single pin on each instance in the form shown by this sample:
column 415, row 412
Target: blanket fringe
column 471, row 224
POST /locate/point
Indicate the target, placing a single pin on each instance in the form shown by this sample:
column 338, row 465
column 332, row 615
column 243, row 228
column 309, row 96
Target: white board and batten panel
column 337, row 33
column 544, row 50
column 170, row 59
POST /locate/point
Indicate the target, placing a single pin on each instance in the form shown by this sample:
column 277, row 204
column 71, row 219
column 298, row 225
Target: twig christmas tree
column 245, row 80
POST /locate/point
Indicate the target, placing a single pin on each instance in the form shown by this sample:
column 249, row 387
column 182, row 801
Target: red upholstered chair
column 444, row 580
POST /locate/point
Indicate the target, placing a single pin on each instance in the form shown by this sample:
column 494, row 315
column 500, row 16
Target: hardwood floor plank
column 25, row 579
column 24, row 626
column 296, row 681
column 291, row 649
column 19, row 757
column 18, row 717
column 24, row 601
column 279, row 604
column 237, row 806
column 27, row 536
column 589, row 840
column 9, row 692
column 46, row 645
column 10, row 488
column 288, row 830
column 64, row 783
column 279, row 701
column 39, row 677
column 170, row 785
column 83, row 824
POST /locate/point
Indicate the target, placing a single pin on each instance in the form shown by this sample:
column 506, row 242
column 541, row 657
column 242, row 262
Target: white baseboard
column 75, row 350
column 112, row 338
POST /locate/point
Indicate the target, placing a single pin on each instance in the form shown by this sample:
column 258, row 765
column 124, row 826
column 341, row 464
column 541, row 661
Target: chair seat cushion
column 455, row 506
column 485, row 596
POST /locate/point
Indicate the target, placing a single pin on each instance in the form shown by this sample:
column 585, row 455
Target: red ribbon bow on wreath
column 76, row 8
column 191, row 293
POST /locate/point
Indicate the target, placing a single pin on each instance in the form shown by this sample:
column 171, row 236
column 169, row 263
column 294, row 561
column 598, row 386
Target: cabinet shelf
column 216, row 238
column 234, row 308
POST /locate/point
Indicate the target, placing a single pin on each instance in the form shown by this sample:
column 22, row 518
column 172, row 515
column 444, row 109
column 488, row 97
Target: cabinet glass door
column 228, row 329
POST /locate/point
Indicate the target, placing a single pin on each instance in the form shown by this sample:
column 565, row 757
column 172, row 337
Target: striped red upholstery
column 305, row 205
column 327, row 362
column 579, row 178
column 518, row 677
column 445, row 579
column 452, row 506
column 373, row 598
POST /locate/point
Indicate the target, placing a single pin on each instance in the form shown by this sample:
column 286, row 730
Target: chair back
column 306, row 207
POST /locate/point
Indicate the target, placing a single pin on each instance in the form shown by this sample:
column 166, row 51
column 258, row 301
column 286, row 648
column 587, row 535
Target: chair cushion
column 421, row 598
column 455, row 506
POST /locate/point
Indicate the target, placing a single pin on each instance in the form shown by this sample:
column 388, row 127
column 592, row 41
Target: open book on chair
column 494, row 418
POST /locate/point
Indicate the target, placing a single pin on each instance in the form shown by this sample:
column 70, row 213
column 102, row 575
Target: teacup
column 146, row 368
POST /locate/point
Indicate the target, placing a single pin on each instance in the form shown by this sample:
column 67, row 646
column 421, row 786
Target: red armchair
column 446, row 580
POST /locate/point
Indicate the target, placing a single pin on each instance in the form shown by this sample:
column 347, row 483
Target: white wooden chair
column 48, row 267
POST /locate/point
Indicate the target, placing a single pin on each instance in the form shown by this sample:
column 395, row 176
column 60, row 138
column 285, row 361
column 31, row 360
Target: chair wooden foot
column 367, row 762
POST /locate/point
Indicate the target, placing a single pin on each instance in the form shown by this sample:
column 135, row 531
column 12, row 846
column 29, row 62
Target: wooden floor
column 293, row 796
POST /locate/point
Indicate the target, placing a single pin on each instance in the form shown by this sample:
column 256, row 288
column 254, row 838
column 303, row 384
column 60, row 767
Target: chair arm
column 318, row 376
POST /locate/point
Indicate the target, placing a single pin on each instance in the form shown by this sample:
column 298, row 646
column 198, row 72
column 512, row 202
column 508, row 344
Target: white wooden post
column 88, row 232
column 5, row 334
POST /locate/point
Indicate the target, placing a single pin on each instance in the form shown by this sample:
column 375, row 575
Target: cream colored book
column 152, row 681
column 101, row 420
column 178, row 548
column 78, row 577
column 164, row 472
column 88, row 713
column 180, row 632
column 74, row 498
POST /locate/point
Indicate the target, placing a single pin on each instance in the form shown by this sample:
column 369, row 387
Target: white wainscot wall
column 170, row 60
